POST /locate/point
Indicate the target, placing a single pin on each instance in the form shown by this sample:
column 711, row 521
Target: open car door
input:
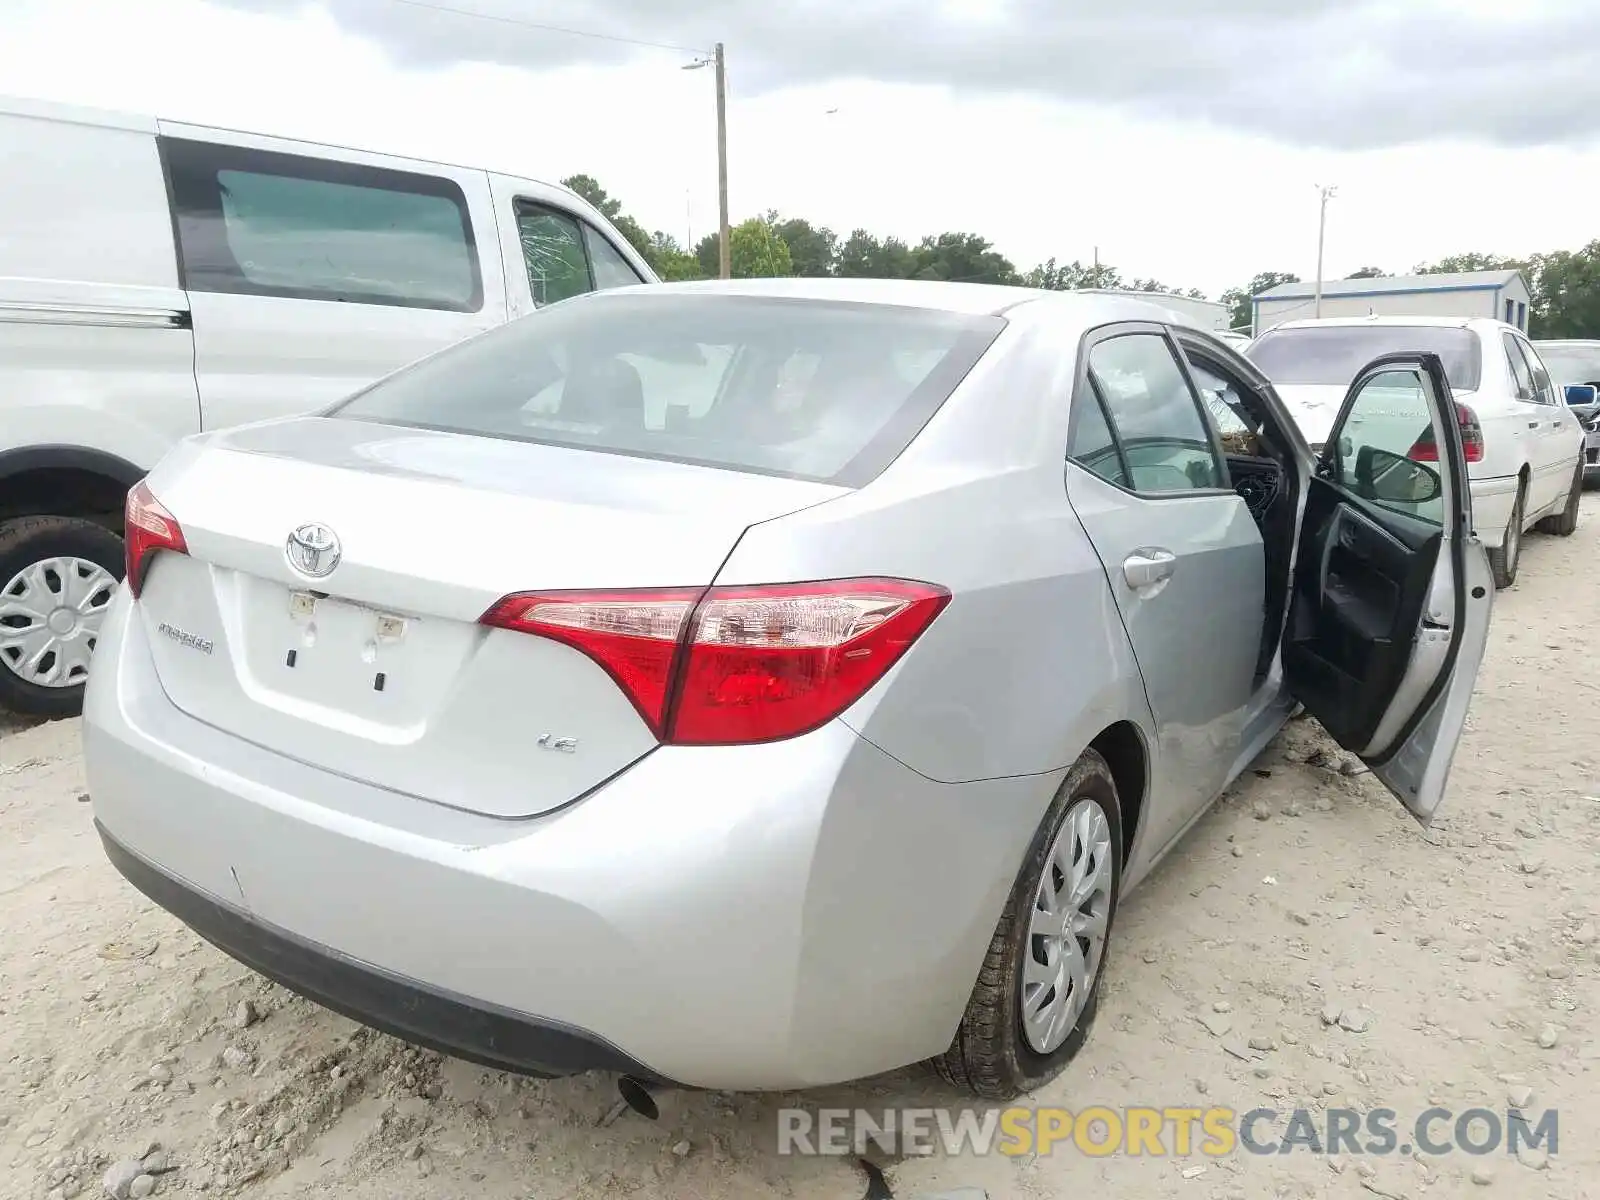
column 1389, row 612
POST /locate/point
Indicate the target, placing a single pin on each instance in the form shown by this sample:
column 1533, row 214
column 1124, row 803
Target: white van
column 158, row 279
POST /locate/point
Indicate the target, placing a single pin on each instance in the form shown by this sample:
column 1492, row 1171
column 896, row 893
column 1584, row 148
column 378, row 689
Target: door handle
column 1148, row 566
column 1533, row 424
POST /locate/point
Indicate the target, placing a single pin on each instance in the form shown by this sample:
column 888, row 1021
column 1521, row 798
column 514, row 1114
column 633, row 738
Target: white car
column 158, row 279
column 1525, row 449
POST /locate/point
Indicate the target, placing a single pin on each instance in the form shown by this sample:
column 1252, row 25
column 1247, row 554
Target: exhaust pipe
column 636, row 1095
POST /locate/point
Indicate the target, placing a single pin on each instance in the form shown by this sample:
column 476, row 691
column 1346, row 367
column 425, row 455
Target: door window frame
column 1544, row 391
column 1514, row 355
column 524, row 204
column 1084, row 391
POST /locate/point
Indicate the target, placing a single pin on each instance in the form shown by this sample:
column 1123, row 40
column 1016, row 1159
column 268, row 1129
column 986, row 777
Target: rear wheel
column 1038, row 990
column 1503, row 558
column 1565, row 522
column 57, row 578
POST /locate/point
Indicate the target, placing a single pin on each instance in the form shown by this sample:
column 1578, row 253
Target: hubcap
column 50, row 615
column 1067, row 927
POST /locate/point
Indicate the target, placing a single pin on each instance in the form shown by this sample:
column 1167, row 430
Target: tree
column 863, row 256
column 812, row 248
column 671, row 261
column 963, row 257
column 1240, row 311
column 1566, row 293
column 611, row 209
column 1368, row 273
column 1469, row 262
column 757, row 251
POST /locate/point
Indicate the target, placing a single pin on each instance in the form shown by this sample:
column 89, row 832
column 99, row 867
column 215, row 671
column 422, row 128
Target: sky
column 1178, row 139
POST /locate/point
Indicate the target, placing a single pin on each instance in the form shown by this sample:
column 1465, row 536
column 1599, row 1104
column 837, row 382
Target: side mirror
column 1388, row 477
column 1582, row 394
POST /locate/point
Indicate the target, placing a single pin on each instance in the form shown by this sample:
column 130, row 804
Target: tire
column 1503, row 559
column 1565, row 522
column 992, row 1055
column 83, row 547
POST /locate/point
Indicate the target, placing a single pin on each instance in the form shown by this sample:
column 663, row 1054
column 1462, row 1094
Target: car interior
column 1261, row 471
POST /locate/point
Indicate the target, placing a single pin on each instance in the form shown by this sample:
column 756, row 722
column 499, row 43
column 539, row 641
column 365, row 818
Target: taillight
column 729, row 665
column 1426, row 450
column 146, row 528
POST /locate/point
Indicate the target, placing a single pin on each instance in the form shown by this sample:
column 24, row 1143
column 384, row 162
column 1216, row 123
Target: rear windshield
column 1335, row 354
column 801, row 388
column 1570, row 364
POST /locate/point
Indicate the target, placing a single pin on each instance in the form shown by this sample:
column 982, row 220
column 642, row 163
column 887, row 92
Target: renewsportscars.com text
column 1166, row 1131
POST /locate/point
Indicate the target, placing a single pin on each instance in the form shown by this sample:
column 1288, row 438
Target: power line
column 522, row 24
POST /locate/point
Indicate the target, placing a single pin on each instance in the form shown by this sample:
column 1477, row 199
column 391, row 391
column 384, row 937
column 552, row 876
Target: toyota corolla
column 762, row 684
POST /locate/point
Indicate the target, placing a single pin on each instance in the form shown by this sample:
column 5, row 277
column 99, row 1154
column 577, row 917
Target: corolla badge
column 313, row 549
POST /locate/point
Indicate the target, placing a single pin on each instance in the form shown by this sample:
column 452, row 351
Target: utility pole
column 1326, row 194
column 724, row 248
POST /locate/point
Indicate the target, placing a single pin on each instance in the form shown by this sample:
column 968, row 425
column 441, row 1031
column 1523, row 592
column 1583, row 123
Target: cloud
column 1332, row 74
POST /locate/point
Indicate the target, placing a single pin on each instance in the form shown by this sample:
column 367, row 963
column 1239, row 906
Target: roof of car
column 1594, row 342
column 1347, row 322
column 936, row 294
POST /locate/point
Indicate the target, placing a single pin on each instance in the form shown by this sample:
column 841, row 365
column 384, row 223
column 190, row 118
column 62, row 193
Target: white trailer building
column 1499, row 294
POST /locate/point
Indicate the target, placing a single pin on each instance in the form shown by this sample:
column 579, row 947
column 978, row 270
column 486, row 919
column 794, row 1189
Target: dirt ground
column 1307, row 891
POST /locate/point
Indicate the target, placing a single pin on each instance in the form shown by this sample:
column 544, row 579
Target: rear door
column 311, row 276
column 1532, row 426
column 1390, row 608
column 1181, row 553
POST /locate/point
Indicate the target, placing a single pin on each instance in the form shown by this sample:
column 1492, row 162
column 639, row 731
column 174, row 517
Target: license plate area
column 343, row 646
column 320, row 652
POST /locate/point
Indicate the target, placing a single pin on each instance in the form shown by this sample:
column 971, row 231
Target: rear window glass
column 1335, row 354
column 802, row 388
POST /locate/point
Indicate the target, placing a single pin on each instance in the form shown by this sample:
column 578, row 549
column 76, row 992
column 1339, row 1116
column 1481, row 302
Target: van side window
column 566, row 257
column 260, row 223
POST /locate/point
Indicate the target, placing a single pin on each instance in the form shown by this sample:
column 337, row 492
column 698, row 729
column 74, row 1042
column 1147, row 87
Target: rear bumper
column 774, row 916
column 456, row 1025
column 1492, row 502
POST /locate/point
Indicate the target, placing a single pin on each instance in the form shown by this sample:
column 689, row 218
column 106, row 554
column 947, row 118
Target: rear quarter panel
column 1029, row 662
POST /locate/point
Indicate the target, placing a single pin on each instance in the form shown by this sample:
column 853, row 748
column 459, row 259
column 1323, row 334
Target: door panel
column 1557, row 449
column 1390, row 608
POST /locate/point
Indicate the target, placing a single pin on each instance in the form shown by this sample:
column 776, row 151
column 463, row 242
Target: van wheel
column 57, row 578
column 1038, row 990
column 1503, row 558
column 1565, row 522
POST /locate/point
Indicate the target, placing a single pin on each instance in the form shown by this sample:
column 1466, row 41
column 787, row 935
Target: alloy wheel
column 1067, row 927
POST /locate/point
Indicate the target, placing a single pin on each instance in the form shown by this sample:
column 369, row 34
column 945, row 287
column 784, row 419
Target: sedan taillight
column 735, row 665
column 1425, row 450
column 146, row 528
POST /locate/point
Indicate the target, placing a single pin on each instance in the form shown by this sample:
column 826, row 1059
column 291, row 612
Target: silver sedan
column 762, row 684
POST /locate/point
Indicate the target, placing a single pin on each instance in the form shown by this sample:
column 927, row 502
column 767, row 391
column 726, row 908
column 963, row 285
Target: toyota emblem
column 313, row 550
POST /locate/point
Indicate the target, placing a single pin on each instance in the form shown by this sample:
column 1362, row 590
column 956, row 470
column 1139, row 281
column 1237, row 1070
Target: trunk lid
column 379, row 670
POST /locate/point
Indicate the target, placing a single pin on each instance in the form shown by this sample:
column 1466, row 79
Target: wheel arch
column 65, row 480
column 1122, row 745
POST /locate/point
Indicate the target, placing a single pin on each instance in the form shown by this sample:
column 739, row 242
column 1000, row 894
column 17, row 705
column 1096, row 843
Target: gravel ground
column 1464, row 960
